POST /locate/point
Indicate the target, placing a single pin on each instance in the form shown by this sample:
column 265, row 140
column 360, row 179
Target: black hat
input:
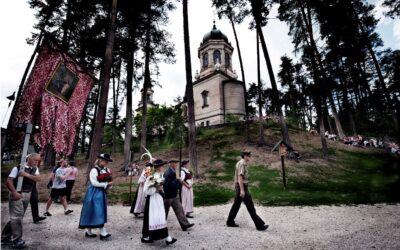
column 185, row 162
column 159, row 163
column 246, row 153
column 173, row 161
column 105, row 157
column 149, row 164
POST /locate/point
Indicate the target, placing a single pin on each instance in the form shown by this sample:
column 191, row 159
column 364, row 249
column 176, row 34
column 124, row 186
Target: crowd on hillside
column 363, row 141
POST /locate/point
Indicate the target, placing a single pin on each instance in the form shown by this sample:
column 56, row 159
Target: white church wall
column 234, row 98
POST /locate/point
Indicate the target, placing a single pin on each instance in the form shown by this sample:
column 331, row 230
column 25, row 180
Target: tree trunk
column 146, row 83
column 391, row 103
column 189, row 91
column 66, row 26
column 308, row 23
column 129, row 84
column 105, row 84
column 261, row 142
column 275, row 92
column 320, row 111
column 247, row 131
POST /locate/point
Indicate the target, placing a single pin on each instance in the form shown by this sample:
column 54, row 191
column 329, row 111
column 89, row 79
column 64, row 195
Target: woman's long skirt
column 94, row 209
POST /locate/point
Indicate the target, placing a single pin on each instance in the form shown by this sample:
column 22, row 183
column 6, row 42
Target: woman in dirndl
column 140, row 197
column 155, row 222
column 94, row 209
column 187, row 190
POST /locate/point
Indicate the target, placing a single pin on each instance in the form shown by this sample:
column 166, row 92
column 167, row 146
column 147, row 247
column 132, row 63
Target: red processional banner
column 54, row 97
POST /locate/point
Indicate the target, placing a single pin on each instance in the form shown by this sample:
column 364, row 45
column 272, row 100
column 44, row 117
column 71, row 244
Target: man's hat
column 159, row 163
column 105, row 157
column 185, row 162
column 173, row 161
column 246, row 153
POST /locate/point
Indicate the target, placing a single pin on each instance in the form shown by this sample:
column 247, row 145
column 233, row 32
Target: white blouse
column 93, row 178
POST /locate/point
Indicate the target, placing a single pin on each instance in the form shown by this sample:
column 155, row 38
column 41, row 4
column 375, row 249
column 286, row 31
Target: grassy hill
column 350, row 175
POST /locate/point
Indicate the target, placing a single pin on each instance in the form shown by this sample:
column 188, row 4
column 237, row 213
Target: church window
column 217, row 56
column 204, row 94
column 205, row 60
column 207, row 123
column 227, row 60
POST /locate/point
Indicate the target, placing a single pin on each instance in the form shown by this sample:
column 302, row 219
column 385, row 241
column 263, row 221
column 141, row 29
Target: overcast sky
column 17, row 19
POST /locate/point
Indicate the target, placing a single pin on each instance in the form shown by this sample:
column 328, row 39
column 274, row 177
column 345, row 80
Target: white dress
column 187, row 194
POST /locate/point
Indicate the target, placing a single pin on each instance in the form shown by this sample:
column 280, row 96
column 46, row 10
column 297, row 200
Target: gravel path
column 323, row 227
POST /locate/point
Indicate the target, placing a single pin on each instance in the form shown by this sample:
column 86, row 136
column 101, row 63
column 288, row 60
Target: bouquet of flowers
column 105, row 177
column 156, row 179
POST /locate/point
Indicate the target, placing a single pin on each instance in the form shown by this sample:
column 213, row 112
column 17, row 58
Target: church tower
column 216, row 91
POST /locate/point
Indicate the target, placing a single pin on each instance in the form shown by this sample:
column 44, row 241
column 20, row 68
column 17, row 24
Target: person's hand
column 23, row 174
column 142, row 184
column 242, row 193
column 16, row 196
column 109, row 184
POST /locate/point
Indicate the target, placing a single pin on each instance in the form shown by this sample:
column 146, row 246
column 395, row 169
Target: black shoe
column 189, row 226
column 18, row 244
column 171, row 242
column 146, row 241
column 90, row 235
column 104, row 237
column 38, row 219
column 47, row 213
column 189, row 216
column 6, row 241
column 232, row 224
column 263, row 228
column 68, row 212
column 136, row 214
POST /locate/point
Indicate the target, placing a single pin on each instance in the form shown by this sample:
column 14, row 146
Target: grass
column 210, row 194
column 356, row 178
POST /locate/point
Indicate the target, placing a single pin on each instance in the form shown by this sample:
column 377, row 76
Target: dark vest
column 27, row 184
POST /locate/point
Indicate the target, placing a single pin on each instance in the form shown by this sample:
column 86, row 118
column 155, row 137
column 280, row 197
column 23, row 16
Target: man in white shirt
column 19, row 201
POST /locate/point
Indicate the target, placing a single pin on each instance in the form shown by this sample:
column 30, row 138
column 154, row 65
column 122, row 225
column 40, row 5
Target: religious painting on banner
column 63, row 82
column 54, row 97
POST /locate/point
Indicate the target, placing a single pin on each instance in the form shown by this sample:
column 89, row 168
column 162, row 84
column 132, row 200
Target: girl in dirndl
column 155, row 222
column 140, row 197
column 187, row 190
column 94, row 209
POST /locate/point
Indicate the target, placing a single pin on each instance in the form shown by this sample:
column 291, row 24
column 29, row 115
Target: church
column 217, row 92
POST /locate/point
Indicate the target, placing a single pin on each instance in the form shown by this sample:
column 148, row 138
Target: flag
column 54, row 98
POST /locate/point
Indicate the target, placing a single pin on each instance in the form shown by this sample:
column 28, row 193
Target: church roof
column 215, row 34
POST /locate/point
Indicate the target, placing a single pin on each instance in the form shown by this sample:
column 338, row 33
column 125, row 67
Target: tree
column 227, row 8
column 189, row 91
column 104, row 83
column 260, row 11
column 394, row 8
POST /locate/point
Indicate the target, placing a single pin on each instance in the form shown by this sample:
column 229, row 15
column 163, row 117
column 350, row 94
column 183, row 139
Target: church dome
column 215, row 34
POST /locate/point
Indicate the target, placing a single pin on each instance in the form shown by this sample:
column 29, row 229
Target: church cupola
column 215, row 53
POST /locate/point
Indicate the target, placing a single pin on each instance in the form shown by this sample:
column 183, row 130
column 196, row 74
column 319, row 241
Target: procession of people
column 161, row 185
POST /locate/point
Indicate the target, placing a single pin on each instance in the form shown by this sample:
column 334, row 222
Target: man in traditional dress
column 140, row 197
column 19, row 201
column 171, row 186
column 155, row 221
column 187, row 190
column 242, row 194
column 94, row 209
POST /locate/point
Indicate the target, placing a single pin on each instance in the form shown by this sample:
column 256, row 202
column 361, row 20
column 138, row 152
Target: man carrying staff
column 171, row 199
column 242, row 194
column 19, row 201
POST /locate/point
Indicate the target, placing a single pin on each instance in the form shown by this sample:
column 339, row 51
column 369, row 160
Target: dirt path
column 323, row 227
